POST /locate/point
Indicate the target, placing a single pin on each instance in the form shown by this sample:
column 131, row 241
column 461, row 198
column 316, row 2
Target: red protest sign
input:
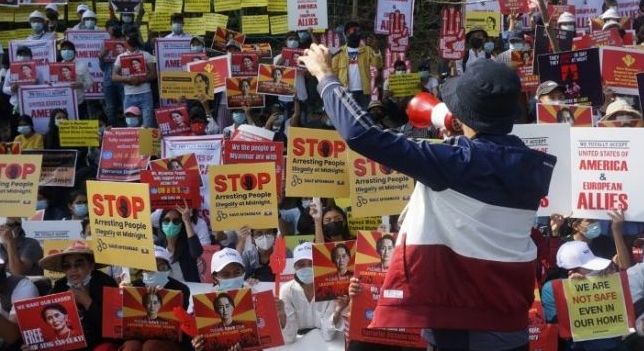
column 290, row 56
column 62, row 72
column 218, row 66
column 452, row 36
column 173, row 120
column 620, row 67
column 243, row 64
column 149, row 315
column 121, row 159
column 332, row 268
column 23, row 72
column 513, row 6
column 189, row 57
column 269, row 329
column 133, row 65
column 240, row 151
column 114, row 47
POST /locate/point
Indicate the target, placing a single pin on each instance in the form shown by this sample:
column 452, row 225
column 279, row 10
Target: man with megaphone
column 464, row 264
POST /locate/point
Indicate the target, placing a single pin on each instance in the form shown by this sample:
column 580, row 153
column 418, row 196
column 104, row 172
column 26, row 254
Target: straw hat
column 54, row 262
column 621, row 106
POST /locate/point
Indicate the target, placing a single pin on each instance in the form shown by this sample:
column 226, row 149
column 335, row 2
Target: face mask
column 90, row 24
column 423, row 74
column 353, row 40
column 488, row 47
column 333, row 229
column 127, row 18
column 41, row 204
column 132, row 121
column 265, row 242
column 305, row 275
column 57, row 122
column 84, row 283
column 239, row 118
column 567, row 27
column 198, row 128
column 516, row 46
column 23, row 58
column 152, row 279
column 303, row 35
column 196, row 48
column 232, row 283
column 37, row 26
column 475, row 42
column 177, row 28
column 400, row 72
column 80, row 210
column 24, row 130
column 293, row 44
column 67, row 55
column 306, row 204
column 593, row 230
column 171, row 230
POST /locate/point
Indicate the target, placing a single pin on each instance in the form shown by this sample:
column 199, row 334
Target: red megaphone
column 425, row 110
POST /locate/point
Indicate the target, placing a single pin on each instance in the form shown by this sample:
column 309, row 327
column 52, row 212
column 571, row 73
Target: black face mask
column 353, row 40
column 475, row 43
column 333, row 229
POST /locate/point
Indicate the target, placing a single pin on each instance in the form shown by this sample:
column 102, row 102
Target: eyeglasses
column 175, row 221
column 76, row 264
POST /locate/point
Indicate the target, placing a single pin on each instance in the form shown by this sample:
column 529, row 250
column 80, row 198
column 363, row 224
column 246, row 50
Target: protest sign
column 23, row 72
column 88, row 44
column 121, row 227
column 112, row 313
column 398, row 38
column 619, row 67
column 149, row 141
column 317, row 164
column 377, row 190
column 114, row 47
column 305, row 14
column 149, row 315
column 171, row 186
column 268, row 327
column 542, row 43
column 290, row 56
column 42, row 51
column 332, row 269
column 239, row 151
column 224, row 35
column 185, row 85
column 574, row 115
column 491, row 21
column 243, row 194
column 451, row 44
column 247, row 132
column 78, row 133
column 204, row 262
column 553, row 139
column 53, row 230
column 386, row 7
column 243, row 64
column 276, row 80
column 242, row 92
column 188, row 57
column 134, row 65
column 168, row 52
column 293, row 240
column 37, row 101
column 513, row 6
column 255, row 24
column 58, row 167
column 586, row 10
column 10, row 148
column 407, row 84
column 39, row 317
column 597, row 307
column 226, row 318
column 19, row 176
column 279, row 24
column 121, row 159
column 217, row 66
column 554, row 11
column 262, row 50
column 578, row 71
column 173, row 120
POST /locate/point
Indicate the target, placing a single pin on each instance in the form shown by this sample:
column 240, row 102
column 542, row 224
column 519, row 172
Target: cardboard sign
column 78, row 133
column 243, row 64
column 112, row 313
column 169, row 188
column 513, row 6
column 121, row 159
column 595, row 307
column 242, row 92
column 114, row 47
column 276, row 80
column 185, row 85
column 243, row 194
column 173, row 120
column 226, row 318
column 19, row 177
column 451, row 45
column 619, row 67
column 217, row 66
column 317, row 164
column 332, row 268
column 224, row 35
column 149, row 141
column 239, row 151
column 134, row 66
column 386, row 7
column 574, row 115
column 54, row 230
column 268, row 323
column 58, row 167
column 88, row 45
column 291, row 56
column 60, row 329
column 37, row 101
column 121, row 227
column 262, row 50
column 150, row 315
column 407, row 84
column 23, row 72
column 305, row 14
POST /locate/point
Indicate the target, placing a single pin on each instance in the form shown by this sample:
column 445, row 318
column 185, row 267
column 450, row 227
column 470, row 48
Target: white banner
column 385, row 7
column 168, row 52
column 88, row 45
column 305, row 14
column 37, row 101
column 42, row 51
column 585, row 11
column 54, row 230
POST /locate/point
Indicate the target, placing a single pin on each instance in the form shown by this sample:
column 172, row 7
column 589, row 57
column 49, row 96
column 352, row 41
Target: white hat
column 162, row 253
column 566, row 17
column 88, row 14
column 610, row 13
column 155, row 216
column 303, row 251
column 620, row 105
column 52, row 7
column 575, row 254
column 224, row 257
column 37, row 14
column 611, row 23
column 81, row 7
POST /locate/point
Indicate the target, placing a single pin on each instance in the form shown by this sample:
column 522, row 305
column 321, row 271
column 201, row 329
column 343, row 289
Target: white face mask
column 82, row 284
column 232, row 283
column 305, row 275
column 152, row 279
column 567, row 27
column 516, row 46
column 293, row 44
column 265, row 242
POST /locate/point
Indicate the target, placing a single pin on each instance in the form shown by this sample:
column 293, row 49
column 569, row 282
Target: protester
column 10, row 87
column 28, row 138
column 83, row 81
column 176, row 23
column 332, row 225
column 549, row 92
column 474, row 38
column 80, row 10
column 89, row 20
column 12, row 288
column 39, row 32
column 257, row 258
column 19, row 253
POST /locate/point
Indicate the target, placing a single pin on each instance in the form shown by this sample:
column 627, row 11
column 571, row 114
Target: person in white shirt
column 293, row 42
column 10, row 87
column 80, row 10
column 83, row 81
column 37, row 21
column 176, row 22
column 88, row 19
column 302, row 312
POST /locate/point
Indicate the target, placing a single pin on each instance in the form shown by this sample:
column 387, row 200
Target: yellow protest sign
column 215, row 20
column 489, row 20
column 102, row 12
column 167, row 7
column 243, row 194
column 316, row 164
column 279, row 24
column 120, row 223
column 21, row 13
column 78, row 133
column 159, row 22
column 195, row 25
column 150, row 141
column 361, row 223
column 196, row 5
column 6, row 36
column 227, row 5
column 7, row 15
column 143, row 29
column 596, row 307
column 186, row 85
column 254, row 3
column 19, row 179
column 293, row 240
column 377, row 190
column 407, row 84
column 276, row 5
column 255, row 24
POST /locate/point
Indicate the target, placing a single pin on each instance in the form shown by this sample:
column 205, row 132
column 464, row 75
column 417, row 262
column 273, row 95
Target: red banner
column 452, row 36
column 23, row 72
column 218, row 66
column 62, row 72
column 112, row 313
column 269, row 329
column 243, row 64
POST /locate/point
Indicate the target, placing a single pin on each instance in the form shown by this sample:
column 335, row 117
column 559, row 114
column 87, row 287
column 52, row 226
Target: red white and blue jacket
column 464, row 257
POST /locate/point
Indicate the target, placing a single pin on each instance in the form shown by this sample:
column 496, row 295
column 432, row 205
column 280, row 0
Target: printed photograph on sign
column 333, row 265
column 574, row 115
column 223, row 36
column 23, row 72
column 262, row 50
column 276, row 80
column 241, row 92
column 243, row 64
column 186, row 85
column 173, row 120
column 190, row 57
column 19, row 184
column 114, row 47
column 217, row 66
column 133, row 65
column 148, row 314
column 62, row 72
column 290, row 56
column 10, row 148
column 121, row 159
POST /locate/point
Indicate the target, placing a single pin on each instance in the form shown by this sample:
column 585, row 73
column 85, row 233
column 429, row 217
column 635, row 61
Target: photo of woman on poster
column 225, row 307
column 152, row 302
column 341, row 255
column 202, row 84
column 56, row 316
column 66, row 74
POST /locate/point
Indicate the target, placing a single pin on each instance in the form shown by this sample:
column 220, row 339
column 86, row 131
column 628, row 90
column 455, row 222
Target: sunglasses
column 76, row 264
column 175, row 221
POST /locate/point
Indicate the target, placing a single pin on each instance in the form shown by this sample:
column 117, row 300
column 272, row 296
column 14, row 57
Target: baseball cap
column 162, row 253
column 375, row 103
column 303, row 251
column 548, row 87
column 575, row 254
column 133, row 110
column 88, row 14
column 224, row 257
